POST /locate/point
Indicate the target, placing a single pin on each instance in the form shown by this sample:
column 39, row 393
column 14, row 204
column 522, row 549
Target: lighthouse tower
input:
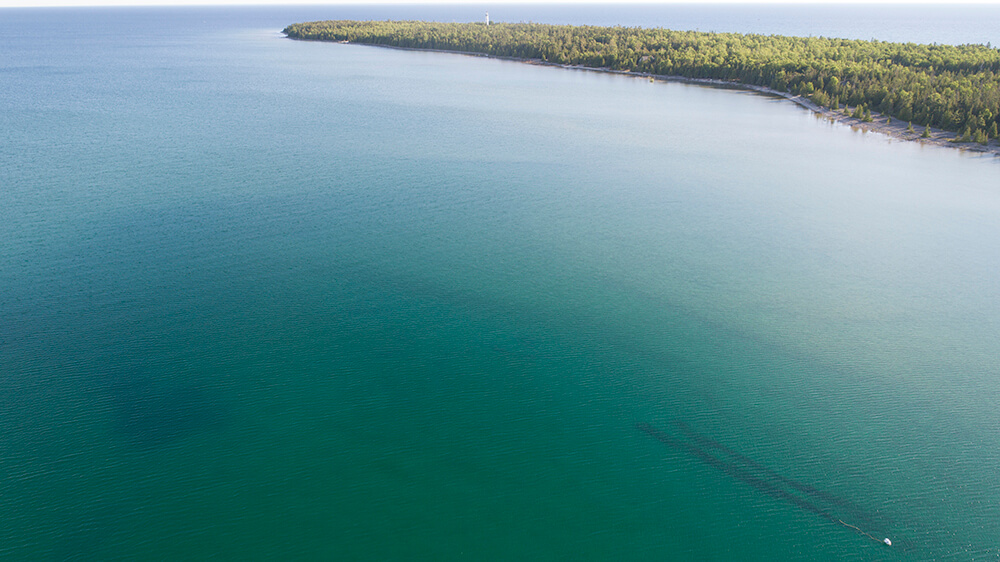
column 487, row 19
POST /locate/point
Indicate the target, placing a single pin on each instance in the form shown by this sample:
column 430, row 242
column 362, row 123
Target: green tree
column 945, row 86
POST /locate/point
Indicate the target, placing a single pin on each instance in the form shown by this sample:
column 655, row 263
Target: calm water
column 266, row 299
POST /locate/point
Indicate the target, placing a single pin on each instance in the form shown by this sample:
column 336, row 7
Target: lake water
column 267, row 299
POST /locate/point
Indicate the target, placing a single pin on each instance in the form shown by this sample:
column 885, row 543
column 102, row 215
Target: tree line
column 956, row 88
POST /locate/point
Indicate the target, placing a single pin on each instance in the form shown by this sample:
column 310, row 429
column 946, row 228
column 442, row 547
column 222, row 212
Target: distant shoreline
column 881, row 123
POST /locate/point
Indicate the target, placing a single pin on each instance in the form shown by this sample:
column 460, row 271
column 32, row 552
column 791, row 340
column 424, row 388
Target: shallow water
column 265, row 298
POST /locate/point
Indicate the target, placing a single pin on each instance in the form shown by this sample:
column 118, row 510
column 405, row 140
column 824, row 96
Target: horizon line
column 485, row 4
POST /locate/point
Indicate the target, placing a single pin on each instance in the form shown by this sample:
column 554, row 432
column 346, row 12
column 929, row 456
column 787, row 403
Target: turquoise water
column 272, row 299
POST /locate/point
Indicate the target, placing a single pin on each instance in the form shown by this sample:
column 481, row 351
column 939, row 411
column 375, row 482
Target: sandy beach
column 880, row 123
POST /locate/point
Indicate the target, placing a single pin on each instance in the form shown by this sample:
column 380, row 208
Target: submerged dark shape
column 707, row 443
column 746, row 470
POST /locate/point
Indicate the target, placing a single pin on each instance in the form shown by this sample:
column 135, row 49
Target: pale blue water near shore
column 266, row 299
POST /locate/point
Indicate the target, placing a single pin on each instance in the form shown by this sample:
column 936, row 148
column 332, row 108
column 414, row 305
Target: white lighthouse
column 487, row 19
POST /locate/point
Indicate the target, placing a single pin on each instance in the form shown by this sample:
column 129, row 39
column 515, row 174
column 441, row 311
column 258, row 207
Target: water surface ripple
column 268, row 299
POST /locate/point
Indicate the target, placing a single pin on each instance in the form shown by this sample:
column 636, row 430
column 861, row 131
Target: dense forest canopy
column 952, row 87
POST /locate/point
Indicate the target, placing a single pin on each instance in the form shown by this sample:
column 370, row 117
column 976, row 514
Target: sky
column 41, row 3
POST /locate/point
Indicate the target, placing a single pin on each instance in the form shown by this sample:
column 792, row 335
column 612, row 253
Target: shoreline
column 881, row 123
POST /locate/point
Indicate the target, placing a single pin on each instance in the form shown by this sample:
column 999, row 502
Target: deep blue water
column 267, row 299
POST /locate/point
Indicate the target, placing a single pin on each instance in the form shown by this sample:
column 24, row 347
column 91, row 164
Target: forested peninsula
column 953, row 88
